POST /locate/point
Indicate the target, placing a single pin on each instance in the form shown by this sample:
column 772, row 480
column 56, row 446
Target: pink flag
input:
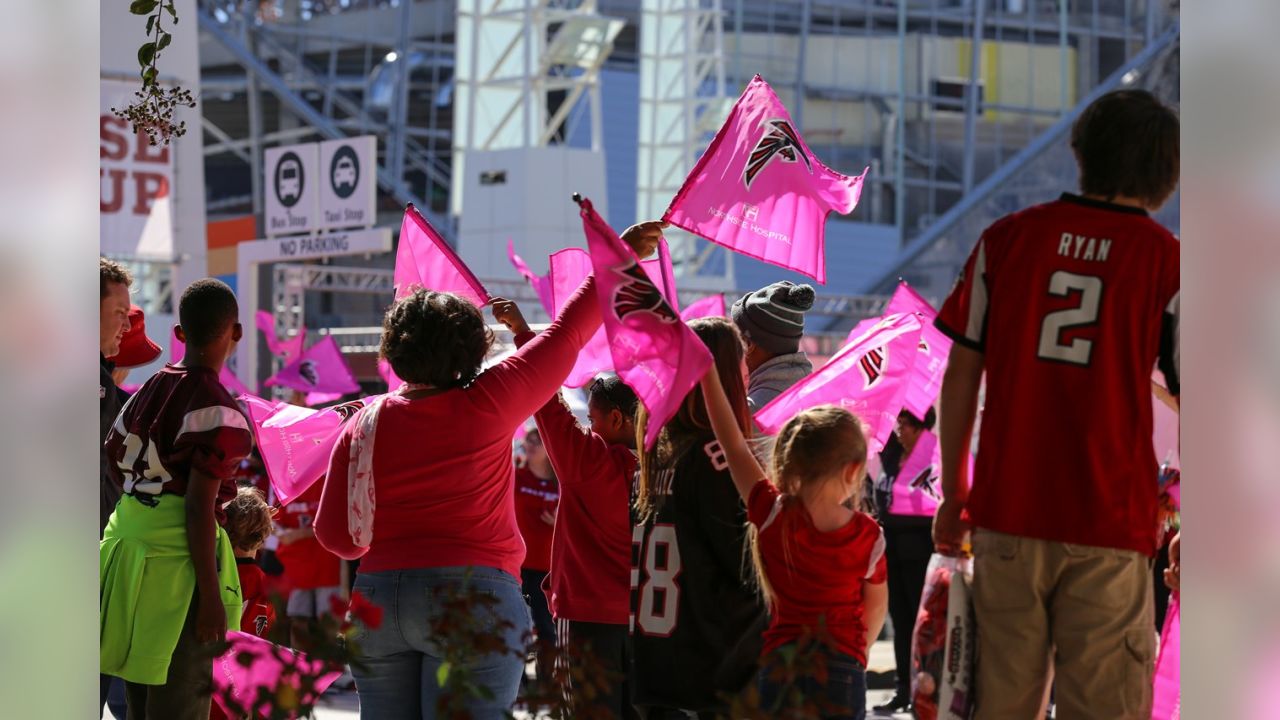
column 926, row 379
column 287, row 350
column 1165, row 426
column 710, row 306
column 424, row 259
column 295, row 442
column 270, row 666
column 868, row 377
column 918, row 488
column 321, row 370
column 388, row 375
column 540, row 284
column 1167, row 700
column 759, row 190
column 569, row 267
column 228, row 379
column 654, row 353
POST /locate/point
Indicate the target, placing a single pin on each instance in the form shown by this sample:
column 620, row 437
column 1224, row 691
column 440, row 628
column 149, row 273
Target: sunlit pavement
column 346, row 706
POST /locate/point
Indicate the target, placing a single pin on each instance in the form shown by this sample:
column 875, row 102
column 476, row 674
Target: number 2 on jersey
column 1077, row 352
column 659, row 593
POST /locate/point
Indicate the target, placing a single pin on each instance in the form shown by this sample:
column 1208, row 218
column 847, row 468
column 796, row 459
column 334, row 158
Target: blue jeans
column 401, row 657
column 844, row 697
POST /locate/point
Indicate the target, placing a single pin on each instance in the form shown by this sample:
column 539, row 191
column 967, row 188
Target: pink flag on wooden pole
column 424, row 259
column 867, row 377
column 541, row 284
column 320, row 370
column 926, row 379
column 287, row 350
column 1167, row 699
column 710, row 306
column 270, row 666
column 653, row 351
column 759, row 190
column 569, row 267
column 295, row 442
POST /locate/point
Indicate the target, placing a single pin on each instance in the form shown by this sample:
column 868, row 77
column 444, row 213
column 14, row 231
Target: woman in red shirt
column 434, row 459
column 537, row 498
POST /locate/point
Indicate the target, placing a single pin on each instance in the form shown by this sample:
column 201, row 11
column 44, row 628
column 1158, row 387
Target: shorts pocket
column 1002, row 579
column 1140, row 651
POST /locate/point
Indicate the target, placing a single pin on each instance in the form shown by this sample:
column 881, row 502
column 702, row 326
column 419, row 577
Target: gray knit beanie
column 773, row 317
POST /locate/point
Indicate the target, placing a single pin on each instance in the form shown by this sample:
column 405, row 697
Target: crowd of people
column 701, row 569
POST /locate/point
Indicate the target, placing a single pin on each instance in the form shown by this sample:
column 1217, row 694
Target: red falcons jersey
column 1071, row 303
column 181, row 419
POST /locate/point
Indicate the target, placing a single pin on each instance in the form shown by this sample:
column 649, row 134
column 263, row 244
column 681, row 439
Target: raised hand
column 508, row 313
column 643, row 237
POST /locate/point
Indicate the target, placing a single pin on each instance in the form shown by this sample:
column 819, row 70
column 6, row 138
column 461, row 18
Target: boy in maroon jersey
column 1066, row 306
column 169, row 586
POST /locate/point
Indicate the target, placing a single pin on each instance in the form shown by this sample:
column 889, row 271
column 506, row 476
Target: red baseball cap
column 135, row 347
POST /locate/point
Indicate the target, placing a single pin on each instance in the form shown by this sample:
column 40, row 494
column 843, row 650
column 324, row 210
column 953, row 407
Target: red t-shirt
column 259, row 614
column 307, row 565
column 815, row 575
column 535, row 496
column 1071, row 303
column 443, row 476
column 181, row 419
column 590, row 578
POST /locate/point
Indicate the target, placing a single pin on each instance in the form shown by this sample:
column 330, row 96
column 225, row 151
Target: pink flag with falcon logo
column 759, row 190
column 926, row 379
column 424, row 259
column 868, row 377
column 287, row 350
column 321, row 372
column 253, row 672
column 296, row 441
column 569, row 267
column 653, row 351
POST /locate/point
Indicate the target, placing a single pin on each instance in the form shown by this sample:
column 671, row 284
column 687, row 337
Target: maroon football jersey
column 179, row 420
column 1072, row 303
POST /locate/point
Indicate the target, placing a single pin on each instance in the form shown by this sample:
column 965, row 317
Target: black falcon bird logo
column 308, row 371
column 780, row 140
column 637, row 294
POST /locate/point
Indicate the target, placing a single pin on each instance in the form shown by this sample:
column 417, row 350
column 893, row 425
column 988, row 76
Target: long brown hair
column 810, row 448
column 691, row 421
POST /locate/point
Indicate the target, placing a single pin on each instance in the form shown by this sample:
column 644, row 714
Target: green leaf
column 163, row 42
column 151, row 23
column 146, row 54
column 149, row 76
column 442, row 673
column 143, row 7
column 173, row 12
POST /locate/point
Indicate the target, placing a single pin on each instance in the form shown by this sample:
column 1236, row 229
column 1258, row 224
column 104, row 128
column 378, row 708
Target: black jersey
column 696, row 617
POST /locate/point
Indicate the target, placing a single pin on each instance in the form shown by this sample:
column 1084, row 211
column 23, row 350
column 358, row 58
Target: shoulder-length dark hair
column 436, row 339
column 691, row 421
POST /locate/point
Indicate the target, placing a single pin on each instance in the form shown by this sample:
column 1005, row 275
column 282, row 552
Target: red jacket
column 590, row 578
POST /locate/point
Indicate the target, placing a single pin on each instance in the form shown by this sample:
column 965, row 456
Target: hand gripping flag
column 320, row 372
column 424, row 259
column 251, row 665
column 295, row 442
column 540, row 284
column 287, row 350
column 760, row 191
column 710, row 306
column 926, row 379
column 653, row 351
column 868, row 377
column 569, row 267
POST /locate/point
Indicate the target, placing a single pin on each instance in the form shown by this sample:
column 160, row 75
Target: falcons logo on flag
column 924, row 483
column 308, row 371
column 348, row 409
column 782, row 141
column 636, row 294
column 872, row 366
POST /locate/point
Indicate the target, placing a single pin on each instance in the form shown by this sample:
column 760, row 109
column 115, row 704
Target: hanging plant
column 153, row 110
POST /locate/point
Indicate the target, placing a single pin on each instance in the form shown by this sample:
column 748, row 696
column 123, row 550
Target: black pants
column 599, row 653
column 907, row 549
column 188, row 689
column 543, row 625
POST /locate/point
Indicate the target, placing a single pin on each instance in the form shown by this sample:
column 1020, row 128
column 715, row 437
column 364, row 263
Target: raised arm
column 743, row 466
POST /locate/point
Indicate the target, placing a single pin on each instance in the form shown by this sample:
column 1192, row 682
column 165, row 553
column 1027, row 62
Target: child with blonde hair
column 820, row 564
